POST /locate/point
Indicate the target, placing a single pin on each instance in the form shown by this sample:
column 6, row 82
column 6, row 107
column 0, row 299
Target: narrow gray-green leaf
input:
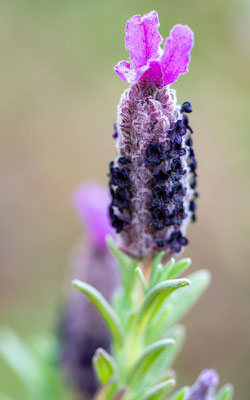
column 141, row 279
column 147, row 360
column 178, row 334
column 159, row 392
column 24, row 364
column 167, row 268
column 181, row 301
column 126, row 264
column 158, row 294
column 104, row 309
column 179, row 267
column 167, row 359
column 153, row 274
column 104, row 366
column 225, row 393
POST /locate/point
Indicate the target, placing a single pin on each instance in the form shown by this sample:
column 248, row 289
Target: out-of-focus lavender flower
column 91, row 201
column 205, row 386
column 153, row 180
column 82, row 329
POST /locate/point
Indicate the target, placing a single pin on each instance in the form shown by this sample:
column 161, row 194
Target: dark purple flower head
column 150, row 62
column 204, row 387
column 153, row 180
column 91, row 202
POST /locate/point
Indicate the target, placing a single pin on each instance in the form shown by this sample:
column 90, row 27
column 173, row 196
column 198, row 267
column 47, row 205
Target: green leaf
column 180, row 302
column 166, row 269
column 109, row 391
column 181, row 394
column 126, row 264
column 154, row 269
column 158, row 294
column 141, row 279
column 167, row 359
column 225, row 393
column 179, row 267
column 104, row 309
column 146, row 361
column 24, row 364
column 178, row 334
column 160, row 391
column 104, row 366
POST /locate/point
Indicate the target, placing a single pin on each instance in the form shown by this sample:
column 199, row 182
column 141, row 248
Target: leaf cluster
column 144, row 323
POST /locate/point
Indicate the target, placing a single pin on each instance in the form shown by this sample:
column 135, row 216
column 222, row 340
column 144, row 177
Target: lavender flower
column 204, row 387
column 91, row 203
column 82, row 329
column 153, row 180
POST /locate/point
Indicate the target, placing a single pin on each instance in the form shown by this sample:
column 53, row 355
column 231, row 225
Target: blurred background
column 57, row 107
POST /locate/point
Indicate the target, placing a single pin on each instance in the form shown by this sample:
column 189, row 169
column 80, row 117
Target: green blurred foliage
column 57, row 106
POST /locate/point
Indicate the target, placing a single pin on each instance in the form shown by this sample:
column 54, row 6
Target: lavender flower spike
column 204, row 387
column 153, row 180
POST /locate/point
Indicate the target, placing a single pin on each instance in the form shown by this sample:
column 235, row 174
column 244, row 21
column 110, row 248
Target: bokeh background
column 58, row 98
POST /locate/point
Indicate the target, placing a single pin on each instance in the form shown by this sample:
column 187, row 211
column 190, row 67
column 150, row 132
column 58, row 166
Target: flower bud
column 204, row 387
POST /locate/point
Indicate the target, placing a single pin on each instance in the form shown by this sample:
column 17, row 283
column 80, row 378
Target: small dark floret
column 176, row 151
column 178, row 216
column 154, row 154
column 160, row 196
column 186, row 107
column 160, row 218
column 178, row 131
column 115, row 134
column 119, row 177
column 123, row 161
column 161, row 177
column 120, row 199
column 176, row 241
column 178, row 193
column 193, row 182
column 189, row 141
column 192, row 163
column 176, row 170
column 186, row 122
column 192, row 208
column 116, row 222
column 161, row 243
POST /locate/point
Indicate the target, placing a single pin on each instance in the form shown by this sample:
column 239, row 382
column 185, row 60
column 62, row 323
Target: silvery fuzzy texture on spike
column 205, row 386
column 82, row 330
column 153, row 179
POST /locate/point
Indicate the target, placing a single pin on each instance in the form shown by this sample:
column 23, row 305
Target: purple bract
column 149, row 61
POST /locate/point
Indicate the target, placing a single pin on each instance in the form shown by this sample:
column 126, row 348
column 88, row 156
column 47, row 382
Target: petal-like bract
column 143, row 39
column 176, row 54
column 123, row 70
column 150, row 62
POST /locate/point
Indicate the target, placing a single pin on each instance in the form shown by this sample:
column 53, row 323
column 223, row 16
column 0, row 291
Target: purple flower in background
column 153, row 180
column 82, row 330
column 204, row 387
column 91, row 203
